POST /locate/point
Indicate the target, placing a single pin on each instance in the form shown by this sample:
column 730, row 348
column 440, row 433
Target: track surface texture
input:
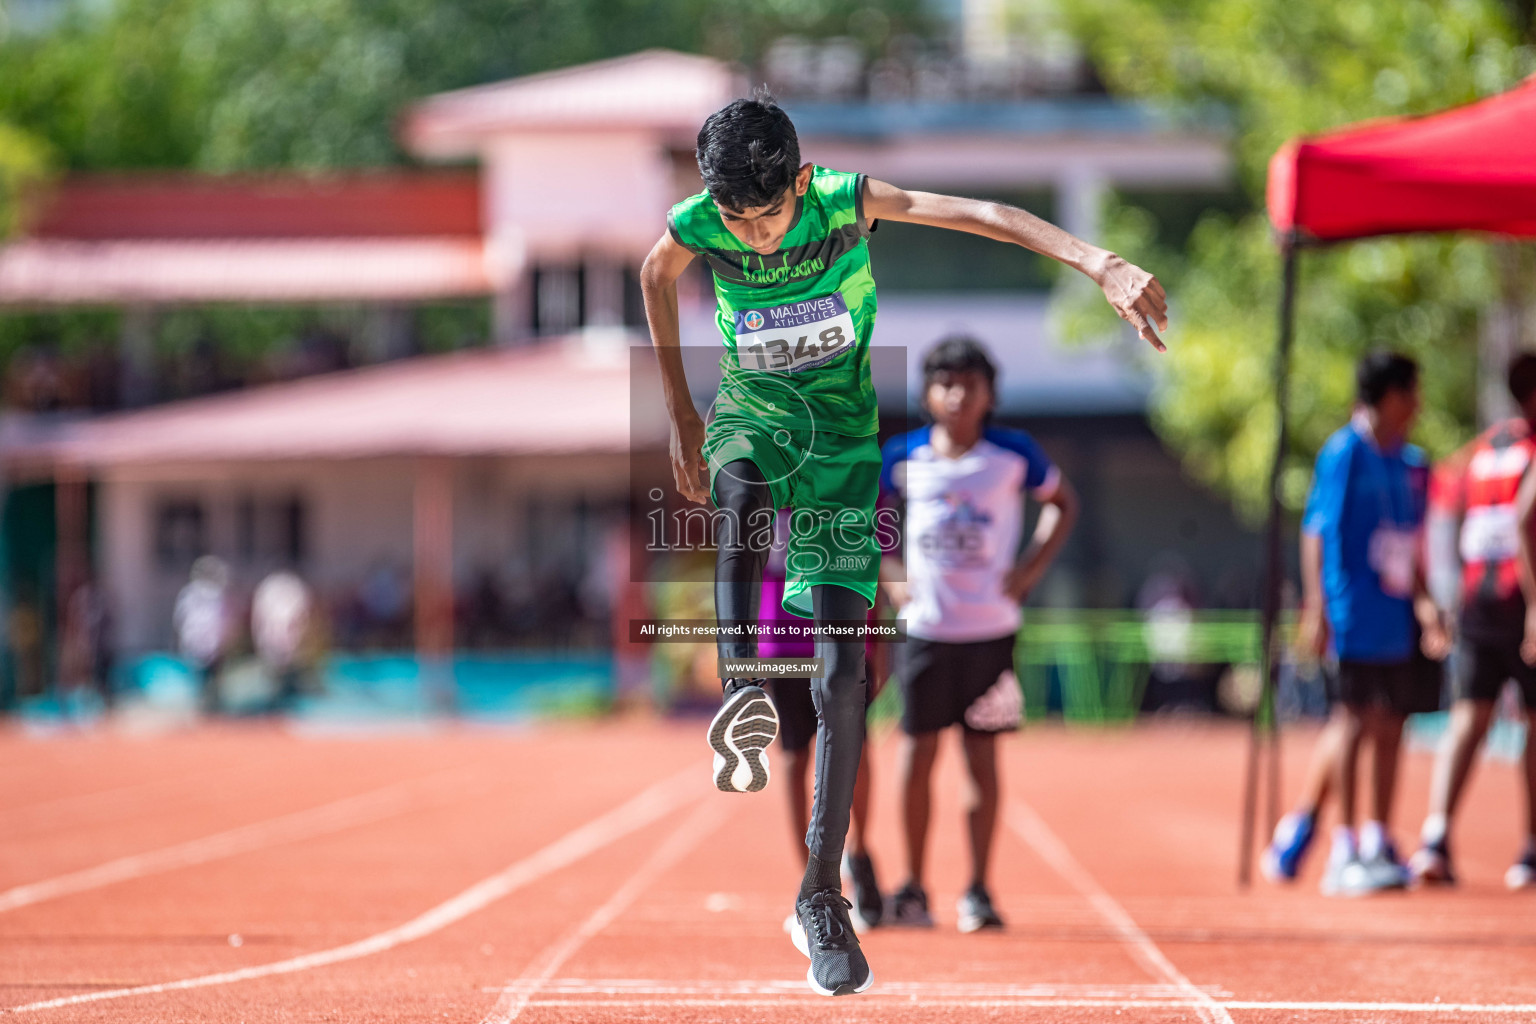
column 592, row 873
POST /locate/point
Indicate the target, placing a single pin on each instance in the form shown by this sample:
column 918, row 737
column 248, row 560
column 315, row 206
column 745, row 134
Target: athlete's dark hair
column 1522, row 377
column 748, row 152
column 959, row 353
column 1382, row 371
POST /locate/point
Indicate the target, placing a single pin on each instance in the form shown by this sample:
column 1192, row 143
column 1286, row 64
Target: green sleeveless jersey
column 796, row 323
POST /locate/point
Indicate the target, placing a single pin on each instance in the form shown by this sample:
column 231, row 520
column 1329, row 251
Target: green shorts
column 830, row 482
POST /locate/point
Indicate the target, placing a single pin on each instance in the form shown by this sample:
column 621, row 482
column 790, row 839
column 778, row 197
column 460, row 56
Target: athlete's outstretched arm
column 1133, row 293
column 658, row 284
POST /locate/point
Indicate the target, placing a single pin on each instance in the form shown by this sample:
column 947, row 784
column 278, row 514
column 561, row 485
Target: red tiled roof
column 555, row 398
column 381, row 237
column 656, row 90
column 379, row 205
column 62, row 271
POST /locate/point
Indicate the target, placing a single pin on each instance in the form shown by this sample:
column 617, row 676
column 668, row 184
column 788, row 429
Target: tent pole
column 1265, row 724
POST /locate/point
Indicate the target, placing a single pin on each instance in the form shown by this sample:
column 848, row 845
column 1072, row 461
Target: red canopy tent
column 1472, row 168
column 1468, row 169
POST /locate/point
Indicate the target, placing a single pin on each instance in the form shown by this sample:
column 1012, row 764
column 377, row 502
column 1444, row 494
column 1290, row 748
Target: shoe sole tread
column 740, row 734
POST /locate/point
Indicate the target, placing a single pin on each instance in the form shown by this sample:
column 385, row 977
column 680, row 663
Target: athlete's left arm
column 1133, row 293
column 1525, row 512
column 1058, row 515
column 1434, row 625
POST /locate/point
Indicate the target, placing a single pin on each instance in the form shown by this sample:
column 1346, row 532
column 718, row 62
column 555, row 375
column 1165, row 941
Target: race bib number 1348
column 795, row 336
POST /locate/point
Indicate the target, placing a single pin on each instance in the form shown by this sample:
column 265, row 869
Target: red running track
column 588, row 873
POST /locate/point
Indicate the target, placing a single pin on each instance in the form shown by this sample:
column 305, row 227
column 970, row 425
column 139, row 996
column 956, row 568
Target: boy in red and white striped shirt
column 1489, row 487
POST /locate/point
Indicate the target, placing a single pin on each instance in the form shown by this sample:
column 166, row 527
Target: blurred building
column 571, row 174
column 438, row 471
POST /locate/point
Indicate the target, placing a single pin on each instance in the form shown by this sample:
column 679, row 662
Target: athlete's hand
column 1528, row 644
column 1020, row 581
column 1135, row 295
column 899, row 592
column 1435, row 640
column 686, row 450
column 1312, row 632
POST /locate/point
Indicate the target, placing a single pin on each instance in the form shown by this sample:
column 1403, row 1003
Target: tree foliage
column 224, row 85
column 25, row 162
column 1278, row 70
column 313, row 86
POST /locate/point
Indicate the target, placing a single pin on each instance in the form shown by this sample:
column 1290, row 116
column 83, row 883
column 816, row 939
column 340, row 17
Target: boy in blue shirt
column 1364, row 604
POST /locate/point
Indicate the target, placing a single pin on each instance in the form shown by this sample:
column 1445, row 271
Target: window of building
column 271, row 531
column 557, row 299
column 181, row 532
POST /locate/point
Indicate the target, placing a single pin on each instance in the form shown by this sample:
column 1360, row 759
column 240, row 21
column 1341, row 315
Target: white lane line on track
column 905, row 990
column 1037, row 835
column 632, row 992
column 516, row 996
column 1513, row 1009
column 1520, row 1008
column 635, row 813
column 350, row 812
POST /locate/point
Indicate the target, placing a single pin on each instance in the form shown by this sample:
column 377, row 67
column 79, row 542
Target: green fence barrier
column 1102, row 660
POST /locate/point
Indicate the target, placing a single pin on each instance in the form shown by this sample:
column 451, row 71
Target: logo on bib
column 796, row 336
column 958, row 539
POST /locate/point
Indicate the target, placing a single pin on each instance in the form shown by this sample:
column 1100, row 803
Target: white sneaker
column 1522, row 873
column 1347, row 878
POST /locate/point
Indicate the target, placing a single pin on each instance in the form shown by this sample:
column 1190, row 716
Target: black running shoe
column 1431, row 865
column 824, row 933
column 868, row 904
column 908, row 908
column 976, row 911
column 740, row 734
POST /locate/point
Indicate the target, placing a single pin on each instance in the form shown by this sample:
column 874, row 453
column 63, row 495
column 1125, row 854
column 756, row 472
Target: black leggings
column 744, row 537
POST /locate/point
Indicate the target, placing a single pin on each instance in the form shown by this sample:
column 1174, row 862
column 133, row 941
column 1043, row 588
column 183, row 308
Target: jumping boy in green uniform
column 794, row 427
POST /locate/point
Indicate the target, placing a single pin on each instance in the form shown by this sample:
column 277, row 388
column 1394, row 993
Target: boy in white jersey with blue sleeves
column 963, row 483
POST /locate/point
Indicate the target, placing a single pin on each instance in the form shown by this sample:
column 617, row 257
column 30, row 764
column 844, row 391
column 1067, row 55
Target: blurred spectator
column 384, row 604
column 483, row 612
column 281, row 613
column 631, row 601
column 86, row 658
column 1168, row 600
column 1486, row 495
column 25, row 633
column 203, row 624
column 558, row 618
column 1364, row 589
